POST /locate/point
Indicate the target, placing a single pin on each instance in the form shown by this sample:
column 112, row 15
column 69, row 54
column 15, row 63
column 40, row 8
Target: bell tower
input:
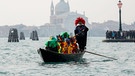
column 52, row 8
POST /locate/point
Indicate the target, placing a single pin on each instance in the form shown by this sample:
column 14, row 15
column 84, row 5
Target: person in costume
column 52, row 44
column 81, row 33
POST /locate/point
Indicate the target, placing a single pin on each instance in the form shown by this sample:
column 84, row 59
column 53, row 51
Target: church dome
column 61, row 7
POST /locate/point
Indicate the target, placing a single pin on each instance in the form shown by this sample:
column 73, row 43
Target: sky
column 37, row 12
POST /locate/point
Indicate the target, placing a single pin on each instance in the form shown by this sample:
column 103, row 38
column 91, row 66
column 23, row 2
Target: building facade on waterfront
column 60, row 16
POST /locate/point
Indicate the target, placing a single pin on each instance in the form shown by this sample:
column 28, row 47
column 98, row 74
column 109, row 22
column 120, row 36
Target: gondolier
column 81, row 33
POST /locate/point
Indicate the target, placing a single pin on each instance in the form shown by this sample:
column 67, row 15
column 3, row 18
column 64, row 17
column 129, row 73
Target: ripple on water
column 6, row 73
column 128, row 71
column 6, row 48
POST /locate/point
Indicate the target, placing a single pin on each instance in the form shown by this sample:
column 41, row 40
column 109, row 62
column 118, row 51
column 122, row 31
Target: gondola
column 51, row 56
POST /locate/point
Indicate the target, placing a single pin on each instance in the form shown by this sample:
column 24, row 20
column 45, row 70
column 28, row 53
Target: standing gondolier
column 81, row 33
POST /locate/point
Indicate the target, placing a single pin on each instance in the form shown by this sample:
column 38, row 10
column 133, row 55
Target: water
column 22, row 59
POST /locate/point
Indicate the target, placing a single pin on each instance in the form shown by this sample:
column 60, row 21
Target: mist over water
column 22, row 59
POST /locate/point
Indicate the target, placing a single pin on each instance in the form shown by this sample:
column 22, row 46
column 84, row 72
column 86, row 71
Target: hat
column 79, row 19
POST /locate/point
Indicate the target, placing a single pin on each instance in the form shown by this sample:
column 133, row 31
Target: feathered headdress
column 79, row 19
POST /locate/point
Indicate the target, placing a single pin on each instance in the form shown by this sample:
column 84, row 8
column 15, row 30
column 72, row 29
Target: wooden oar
column 100, row 55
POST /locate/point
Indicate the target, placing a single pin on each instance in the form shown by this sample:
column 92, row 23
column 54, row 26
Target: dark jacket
column 81, row 35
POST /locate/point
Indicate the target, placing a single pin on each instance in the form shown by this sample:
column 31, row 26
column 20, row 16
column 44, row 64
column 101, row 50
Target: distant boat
column 120, row 36
column 51, row 56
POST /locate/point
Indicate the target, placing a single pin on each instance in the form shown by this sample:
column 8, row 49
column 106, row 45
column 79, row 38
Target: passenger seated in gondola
column 52, row 44
column 64, row 36
column 59, row 40
column 63, row 43
column 69, row 45
column 73, row 45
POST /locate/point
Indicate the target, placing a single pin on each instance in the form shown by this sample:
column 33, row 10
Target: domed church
column 60, row 16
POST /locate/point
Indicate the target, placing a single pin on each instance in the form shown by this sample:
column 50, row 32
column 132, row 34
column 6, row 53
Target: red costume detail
column 79, row 19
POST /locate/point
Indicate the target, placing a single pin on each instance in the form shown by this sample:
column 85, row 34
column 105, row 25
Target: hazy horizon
column 37, row 12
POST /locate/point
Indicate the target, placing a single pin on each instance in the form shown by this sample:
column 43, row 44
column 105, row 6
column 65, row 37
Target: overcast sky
column 37, row 12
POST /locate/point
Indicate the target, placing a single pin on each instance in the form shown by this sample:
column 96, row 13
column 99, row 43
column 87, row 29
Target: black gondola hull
column 50, row 56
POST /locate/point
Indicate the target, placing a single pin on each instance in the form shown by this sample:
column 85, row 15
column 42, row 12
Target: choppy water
column 22, row 59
